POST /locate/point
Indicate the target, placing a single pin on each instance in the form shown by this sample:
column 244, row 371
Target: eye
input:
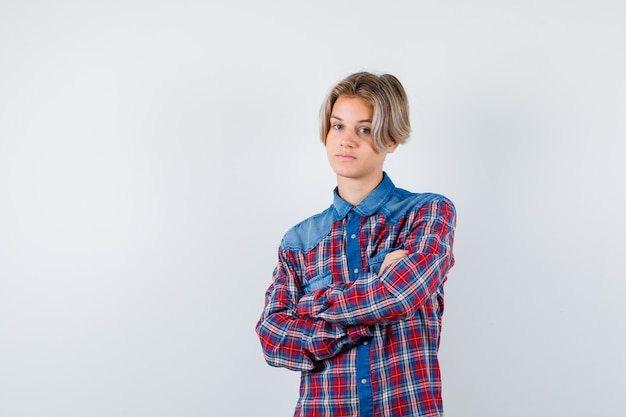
column 336, row 126
column 364, row 130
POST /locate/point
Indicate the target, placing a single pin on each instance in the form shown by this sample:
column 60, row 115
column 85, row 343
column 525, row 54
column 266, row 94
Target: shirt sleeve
column 404, row 286
column 295, row 342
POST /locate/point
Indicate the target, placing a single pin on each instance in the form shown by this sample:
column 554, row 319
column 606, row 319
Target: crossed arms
column 297, row 329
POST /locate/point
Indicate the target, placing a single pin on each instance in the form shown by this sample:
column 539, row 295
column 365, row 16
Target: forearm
column 298, row 343
column 396, row 295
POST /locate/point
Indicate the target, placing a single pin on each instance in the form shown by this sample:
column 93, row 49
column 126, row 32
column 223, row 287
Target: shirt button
column 353, row 236
column 356, row 270
column 364, row 381
column 365, row 343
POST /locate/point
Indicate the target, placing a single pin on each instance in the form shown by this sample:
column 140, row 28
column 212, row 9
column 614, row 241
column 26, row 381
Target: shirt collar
column 370, row 204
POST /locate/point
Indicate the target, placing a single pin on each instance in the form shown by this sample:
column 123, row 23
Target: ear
column 392, row 147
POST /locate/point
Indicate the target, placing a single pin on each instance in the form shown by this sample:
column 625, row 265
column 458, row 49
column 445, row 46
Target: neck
column 354, row 191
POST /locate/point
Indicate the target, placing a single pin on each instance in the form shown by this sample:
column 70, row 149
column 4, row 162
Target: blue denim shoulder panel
column 305, row 235
column 402, row 202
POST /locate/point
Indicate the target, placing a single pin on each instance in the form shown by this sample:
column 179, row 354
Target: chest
column 355, row 246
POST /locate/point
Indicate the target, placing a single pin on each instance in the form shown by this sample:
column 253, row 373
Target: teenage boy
column 357, row 296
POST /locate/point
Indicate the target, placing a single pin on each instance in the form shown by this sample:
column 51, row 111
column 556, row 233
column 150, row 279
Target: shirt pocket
column 317, row 282
column 376, row 261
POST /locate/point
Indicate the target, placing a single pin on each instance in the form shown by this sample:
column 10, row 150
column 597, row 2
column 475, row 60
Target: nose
column 348, row 139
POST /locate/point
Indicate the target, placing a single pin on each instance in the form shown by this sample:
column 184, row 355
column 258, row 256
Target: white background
column 153, row 153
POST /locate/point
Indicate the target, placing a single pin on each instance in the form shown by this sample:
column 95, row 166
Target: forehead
column 352, row 107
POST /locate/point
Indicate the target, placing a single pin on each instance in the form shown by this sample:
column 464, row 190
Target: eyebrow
column 332, row 116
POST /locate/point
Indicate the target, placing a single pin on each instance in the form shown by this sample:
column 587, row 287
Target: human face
column 349, row 146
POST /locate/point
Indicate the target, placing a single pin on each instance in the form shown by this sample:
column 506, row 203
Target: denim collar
column 370, row 204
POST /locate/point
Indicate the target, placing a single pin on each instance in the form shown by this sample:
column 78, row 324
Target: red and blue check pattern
column 366, row 343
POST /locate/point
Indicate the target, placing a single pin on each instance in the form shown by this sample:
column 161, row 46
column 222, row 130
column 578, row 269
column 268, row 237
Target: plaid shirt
column 366, row 343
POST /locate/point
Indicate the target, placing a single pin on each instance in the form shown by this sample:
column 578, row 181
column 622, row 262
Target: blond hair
column 390, row 120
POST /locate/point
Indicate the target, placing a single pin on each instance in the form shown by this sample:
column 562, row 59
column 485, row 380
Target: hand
column 391, row 257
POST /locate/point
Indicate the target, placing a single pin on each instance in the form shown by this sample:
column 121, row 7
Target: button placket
column 353, row 245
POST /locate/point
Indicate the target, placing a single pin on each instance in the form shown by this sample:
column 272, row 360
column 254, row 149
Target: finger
column 398, row 254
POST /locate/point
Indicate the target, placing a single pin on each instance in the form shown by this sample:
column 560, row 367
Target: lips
column 346, row 157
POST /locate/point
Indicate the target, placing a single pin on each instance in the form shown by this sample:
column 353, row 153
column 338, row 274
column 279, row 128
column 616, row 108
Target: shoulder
column 402, row 203
column 305, row 235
